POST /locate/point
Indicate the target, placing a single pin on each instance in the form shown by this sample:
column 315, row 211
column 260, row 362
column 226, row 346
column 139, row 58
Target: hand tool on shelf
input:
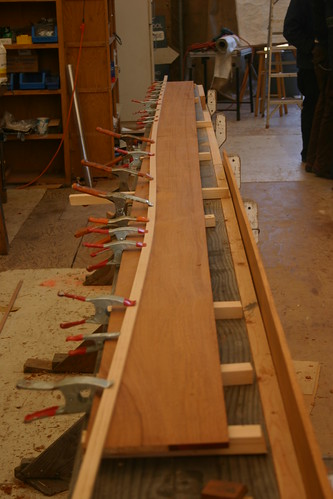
column 103, row 307
column 120, row 199
column 123, row 172
column 106, row 223
column 78, row 392
column 116, row 247
column 97, row 338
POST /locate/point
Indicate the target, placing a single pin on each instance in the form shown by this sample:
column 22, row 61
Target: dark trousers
column 307, row 85
column 320, row 150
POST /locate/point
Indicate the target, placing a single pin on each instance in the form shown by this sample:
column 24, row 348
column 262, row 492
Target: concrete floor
column 295, row 220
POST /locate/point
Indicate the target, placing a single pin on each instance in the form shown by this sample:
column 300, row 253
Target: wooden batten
column 204, row 124
column 89, row 200
column 228, row 310
column 205, row 156
column 210, row 220
column 243, row 440
column 241, row 373
column 215, row 193
column 202, row 96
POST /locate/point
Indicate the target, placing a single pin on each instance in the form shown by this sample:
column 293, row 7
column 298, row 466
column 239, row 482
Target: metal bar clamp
column 97, row 338
column 120, row 199
column 117, row 247
column 78, row 392
column 103, row 307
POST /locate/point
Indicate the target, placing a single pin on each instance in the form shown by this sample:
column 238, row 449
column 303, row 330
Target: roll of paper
column 226, row 44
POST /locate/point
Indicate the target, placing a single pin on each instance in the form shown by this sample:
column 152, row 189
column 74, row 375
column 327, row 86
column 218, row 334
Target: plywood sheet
column 171, row 393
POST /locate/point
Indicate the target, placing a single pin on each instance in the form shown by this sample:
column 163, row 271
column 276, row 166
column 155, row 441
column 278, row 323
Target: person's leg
column 321, row 76
column 307, row 85
column 324, row 155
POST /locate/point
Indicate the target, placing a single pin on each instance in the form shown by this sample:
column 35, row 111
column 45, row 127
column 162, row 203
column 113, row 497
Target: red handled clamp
column 78, row 392
column 106, row 223
column 103, row 307
column 116, row 247
column 97, row 338
column 120, row 233
column 123, row 173
column 130, row 140
column 134, row 156
column 120, row 199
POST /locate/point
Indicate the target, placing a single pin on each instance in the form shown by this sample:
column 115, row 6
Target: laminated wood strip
column 176, row 320
column 112, row 366
column 174, row 339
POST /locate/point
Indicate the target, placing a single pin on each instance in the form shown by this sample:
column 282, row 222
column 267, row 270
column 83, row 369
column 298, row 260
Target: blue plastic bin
column 52, row 82
column 44, row 39
column 32, row 81
column 13, row 81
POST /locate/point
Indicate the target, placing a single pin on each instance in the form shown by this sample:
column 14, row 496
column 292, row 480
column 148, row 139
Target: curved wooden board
column 171, row 391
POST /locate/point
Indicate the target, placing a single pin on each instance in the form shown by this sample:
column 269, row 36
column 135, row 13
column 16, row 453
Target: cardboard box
column 22, row 61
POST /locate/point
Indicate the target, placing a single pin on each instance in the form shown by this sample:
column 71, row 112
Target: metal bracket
column 212, row 101
column 251, row 209
column 220, row 129
column 235, row 164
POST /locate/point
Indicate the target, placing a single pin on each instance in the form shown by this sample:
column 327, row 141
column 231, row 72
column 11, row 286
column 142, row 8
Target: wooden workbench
column 290, row 464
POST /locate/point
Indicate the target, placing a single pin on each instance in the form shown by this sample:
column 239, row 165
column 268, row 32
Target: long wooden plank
column 198, row 385
column 243, row 440
column 306, row 449
column 287, row 470
column 171, row 384
column 103, row 411
column 10, row 305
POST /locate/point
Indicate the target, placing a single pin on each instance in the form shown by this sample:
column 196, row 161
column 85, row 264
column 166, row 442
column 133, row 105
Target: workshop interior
column 166, row 218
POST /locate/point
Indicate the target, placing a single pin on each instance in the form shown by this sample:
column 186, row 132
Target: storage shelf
column 32, row 46
column 12, row 93
column 26, row 155
column 28, row 1
column 35, row 136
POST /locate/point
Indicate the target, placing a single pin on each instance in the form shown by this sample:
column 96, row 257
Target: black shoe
column 323, row 174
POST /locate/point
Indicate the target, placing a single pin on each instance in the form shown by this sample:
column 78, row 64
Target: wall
column 253, row 17
column 133, row 25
